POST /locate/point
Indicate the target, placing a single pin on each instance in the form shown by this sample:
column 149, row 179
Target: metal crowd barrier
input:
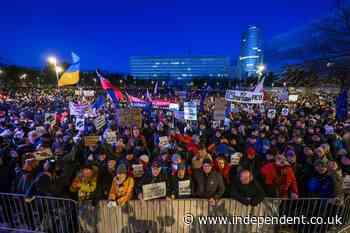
column 42, row 214
column 57, row 215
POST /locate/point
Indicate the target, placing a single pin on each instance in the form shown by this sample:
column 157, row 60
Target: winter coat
column 208, row 186
column 122, row 193
column 247, row 194
column 174, row 187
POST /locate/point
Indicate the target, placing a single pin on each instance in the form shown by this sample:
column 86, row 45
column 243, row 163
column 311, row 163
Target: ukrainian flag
column 71, row 75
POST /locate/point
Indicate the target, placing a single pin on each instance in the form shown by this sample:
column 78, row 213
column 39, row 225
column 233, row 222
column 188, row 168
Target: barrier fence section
column 185, row 216
column 47, row 214
column 42, row 214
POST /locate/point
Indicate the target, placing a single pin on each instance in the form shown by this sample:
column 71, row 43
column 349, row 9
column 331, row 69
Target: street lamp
column 1, row 71
column 53, row 60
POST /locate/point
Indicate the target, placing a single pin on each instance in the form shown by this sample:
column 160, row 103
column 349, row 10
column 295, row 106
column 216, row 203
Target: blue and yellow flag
column 71, row 75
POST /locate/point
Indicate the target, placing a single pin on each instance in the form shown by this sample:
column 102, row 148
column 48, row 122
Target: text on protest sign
column 248, row 97
column 137, row 170
column 100, row 122
column 129, row 117
column 190, row 111
column 271, row 113
column 163, row 141
column 111, row 137
column 154, row 191
column 91, row 140
column 185, row 187
column 80, row 123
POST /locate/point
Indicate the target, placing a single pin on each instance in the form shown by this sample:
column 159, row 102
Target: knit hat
column 121, row 169
column 144, row 158
column 207, row 161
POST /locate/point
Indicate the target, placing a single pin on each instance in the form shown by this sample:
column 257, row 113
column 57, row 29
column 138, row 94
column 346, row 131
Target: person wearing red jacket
column 280, row 175
column 221, row 165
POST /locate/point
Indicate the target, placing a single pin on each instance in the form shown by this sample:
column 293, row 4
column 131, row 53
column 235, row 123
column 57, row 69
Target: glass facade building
column 251, row 55
column 179, row 68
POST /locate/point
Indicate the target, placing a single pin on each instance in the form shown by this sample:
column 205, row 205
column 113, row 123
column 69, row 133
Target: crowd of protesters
column 249, row 157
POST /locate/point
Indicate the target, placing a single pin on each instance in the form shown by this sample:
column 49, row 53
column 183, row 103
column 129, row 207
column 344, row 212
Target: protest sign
column 185, row 187
column 163, row 142
column 190, row 111
column 50, row 118
column 236, row 158
column 111, row 137
column 129, row 117
column 100, row 122
column 346, row 182
column 80, row 123
column 91, row 140
column 285, row 111
column 271, row 113
column 174, row 107
column 89, row 93
column 154, row 191
column 216, row 124
column 219, row 110
column 293, row 98
column 248, row 97
column 137, row 170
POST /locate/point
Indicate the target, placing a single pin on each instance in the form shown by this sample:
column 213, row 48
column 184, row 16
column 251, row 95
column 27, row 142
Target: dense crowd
column 248, row 157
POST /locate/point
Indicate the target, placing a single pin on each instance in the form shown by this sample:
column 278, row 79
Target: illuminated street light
column 1, row 71
column 52, row 60
column 59, row 69
column 261, row 68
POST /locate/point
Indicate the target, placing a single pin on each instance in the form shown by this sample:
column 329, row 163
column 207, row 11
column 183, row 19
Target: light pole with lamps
column 53, row 61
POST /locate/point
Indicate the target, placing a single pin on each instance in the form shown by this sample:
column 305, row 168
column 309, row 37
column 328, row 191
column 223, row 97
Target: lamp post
column 53, row 61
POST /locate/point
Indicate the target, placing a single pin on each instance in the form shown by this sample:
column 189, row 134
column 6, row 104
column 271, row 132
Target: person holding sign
column 181, row 183
column 157, row 179
column 122, row 186
column 209, row 183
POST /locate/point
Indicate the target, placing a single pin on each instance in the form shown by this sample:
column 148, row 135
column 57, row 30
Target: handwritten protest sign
column 137, row 170
column 163, row 142
column 185, row 187
column 154, row 191
column 285, row 111
column 129, row 117
column 91, row 140
column 190, row 111
column 80, row 123
column 111, row 137
column 100, row 122
column 271, row 113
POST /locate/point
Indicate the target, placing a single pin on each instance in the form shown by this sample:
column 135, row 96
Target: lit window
column 188, row 68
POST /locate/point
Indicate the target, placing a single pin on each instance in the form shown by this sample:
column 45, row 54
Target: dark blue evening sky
column 106, row 33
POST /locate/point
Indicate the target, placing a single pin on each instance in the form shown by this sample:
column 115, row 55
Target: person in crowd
column 181, row 183
column 209, row 183
column 246, row 190
column 155, row 176
column 122, row 186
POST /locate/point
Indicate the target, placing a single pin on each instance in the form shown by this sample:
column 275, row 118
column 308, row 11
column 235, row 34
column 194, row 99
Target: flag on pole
column 71, row 75
column 148, row 96
column 99, row 102
column 260, row 86
column 155, row 91
column 114, row 93
column 342, row 105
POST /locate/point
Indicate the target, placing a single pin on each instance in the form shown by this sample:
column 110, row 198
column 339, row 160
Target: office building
column 179, row 68
column 251, row 54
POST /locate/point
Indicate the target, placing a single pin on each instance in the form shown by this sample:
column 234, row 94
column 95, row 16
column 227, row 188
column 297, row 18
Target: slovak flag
column 113, row 92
